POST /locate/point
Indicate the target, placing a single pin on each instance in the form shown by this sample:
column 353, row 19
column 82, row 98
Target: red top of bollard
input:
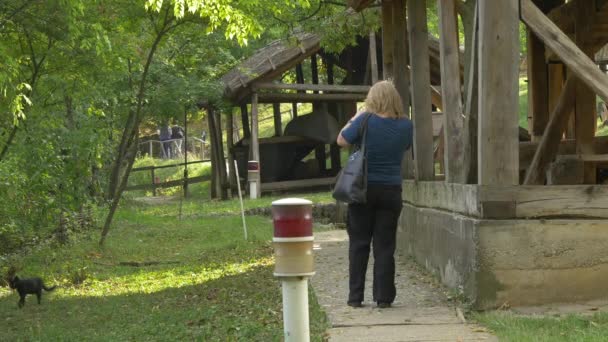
column 253, row 165
column 292, row 218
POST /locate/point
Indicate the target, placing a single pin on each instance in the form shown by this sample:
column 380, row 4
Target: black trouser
column 374, row 222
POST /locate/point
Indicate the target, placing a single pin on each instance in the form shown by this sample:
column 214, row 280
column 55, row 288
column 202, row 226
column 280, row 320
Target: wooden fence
column 156, row 184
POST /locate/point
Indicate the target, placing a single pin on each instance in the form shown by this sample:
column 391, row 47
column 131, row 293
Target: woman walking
column 389, row 136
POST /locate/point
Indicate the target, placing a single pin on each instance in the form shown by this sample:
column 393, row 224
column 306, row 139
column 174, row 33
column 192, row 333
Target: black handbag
column 351, row 185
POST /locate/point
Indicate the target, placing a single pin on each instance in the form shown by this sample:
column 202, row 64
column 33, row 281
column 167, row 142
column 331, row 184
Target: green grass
column 511, row 327
column 209, row 284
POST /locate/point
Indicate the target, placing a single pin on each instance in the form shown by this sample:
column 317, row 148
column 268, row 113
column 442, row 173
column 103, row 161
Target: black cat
column 28, row 286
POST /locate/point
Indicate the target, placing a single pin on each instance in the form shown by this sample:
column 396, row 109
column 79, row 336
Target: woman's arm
column 340, row 140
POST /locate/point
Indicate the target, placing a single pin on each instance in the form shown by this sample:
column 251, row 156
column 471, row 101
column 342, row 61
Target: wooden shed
column 257, row 80
column 509, row 222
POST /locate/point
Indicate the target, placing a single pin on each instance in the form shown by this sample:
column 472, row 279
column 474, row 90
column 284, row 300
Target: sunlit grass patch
column 512, row 327
column 159, row 278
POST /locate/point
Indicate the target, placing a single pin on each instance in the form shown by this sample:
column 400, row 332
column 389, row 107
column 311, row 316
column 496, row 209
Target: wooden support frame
column 450, row 91
column 538, row 86
column 373, row 57
column 471, row 104
column 585, row 108
column 387, row 40
column 284, row 97
column 420, row 89
column 312, row 87
column 498, row 145
column 573, row 57
column 549, row 143
column 278, row 125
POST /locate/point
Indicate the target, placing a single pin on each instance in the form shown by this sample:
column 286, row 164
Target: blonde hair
column 384, row 98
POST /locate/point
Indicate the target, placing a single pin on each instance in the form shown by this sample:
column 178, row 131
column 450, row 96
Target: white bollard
column 253, row 176
column 295, row 309
column 294, row 263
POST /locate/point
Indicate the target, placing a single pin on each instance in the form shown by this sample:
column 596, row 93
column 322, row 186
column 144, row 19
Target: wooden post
column 450, row 92
column 255, row 147
column 150, row 149
column 401, row 77
column 373, row 56
column 334, row 149
column 278, row 126
column 537, row 86
column 471, row 105
column 245, row 119
column 230, row 146
column 421, row 93
column 585, row 112
column 153, row 181
column 498, row 92
column 387, row 40
column 549, row 143
column 400, row 53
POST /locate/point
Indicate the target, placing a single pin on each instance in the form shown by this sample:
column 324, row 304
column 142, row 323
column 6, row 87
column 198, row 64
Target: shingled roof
column 268, row 63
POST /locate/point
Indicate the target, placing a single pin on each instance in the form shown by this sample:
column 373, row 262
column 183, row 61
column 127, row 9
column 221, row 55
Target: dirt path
column 420, row 312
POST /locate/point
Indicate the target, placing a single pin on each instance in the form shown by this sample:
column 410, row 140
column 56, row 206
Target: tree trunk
column 133, row 137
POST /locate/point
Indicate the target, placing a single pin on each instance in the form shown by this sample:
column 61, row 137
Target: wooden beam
column 298, row 184
column 576, row 60
column 373, row 56
column 471, row 107
column 498, row 92
column 585, row 108
column 549, row 143
column 255, row 148
column 245, row 121
column 387, row 40
column 278, row 126
column 537, row 85
column 400, row 54
column 312, row 87
column 436, row 98
column 421, row 94
column 450, row 91
column 284, row 97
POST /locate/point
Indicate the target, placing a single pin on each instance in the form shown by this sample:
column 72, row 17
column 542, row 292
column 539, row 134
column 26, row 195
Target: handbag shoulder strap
column 363, row 132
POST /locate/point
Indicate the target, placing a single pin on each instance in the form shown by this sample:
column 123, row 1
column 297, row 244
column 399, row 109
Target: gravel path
column 421, row 311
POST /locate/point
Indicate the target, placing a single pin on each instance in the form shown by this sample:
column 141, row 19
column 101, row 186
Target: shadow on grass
column 245, row 306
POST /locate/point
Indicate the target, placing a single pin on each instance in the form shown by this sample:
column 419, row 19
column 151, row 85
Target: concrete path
column 420, row 313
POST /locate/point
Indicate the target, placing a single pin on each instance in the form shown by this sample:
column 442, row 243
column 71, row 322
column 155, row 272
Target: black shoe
column 384, row 305
column 355, row 304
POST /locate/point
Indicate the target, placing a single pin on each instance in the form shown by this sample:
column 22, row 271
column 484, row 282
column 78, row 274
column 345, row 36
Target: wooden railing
column 156, row 184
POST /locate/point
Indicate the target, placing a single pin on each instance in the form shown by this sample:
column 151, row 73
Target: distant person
column 389, row 136
column 165, row 135
column 177, row 135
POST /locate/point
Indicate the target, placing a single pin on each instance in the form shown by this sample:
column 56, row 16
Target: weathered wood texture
column 255, row 147
column 387, row 40
column 373, row 57
column 549, row 143
column 298, row 184
column 276, row 112
column 585, row 115
column 285, row 97
column 566, row 147
column 576, row 60
column 471, row 104
column 537, row 85
column 400, row 53
column 533, row 201
column 420, row 89
column 498, row 92
column 312, row 87
column 268, row 63
column 450, row 91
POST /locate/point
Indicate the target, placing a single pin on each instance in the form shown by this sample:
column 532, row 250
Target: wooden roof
column 268, row 63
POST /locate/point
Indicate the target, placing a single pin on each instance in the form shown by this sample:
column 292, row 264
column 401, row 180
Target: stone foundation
column 512, row 261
